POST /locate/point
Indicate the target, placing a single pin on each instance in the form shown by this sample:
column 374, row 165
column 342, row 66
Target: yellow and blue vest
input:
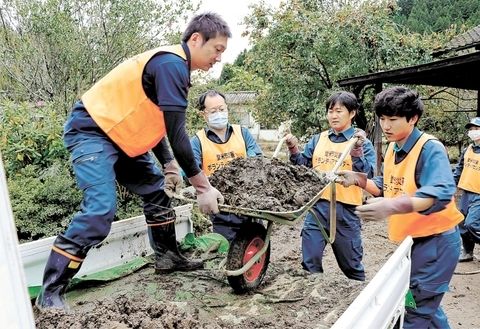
column 399, row 179
column 325, row 156
column 469, row 180
column 215, row 156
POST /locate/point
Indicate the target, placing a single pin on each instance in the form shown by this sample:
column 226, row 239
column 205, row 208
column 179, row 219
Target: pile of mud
column 119, row 313
column 267, row 184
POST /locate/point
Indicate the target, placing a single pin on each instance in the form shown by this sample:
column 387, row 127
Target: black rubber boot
column 167, row 256
column 466, row 255
column 58, row 273
column 59, row 270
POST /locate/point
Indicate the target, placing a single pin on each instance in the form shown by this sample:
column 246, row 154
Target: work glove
column 348, row 178
column 292, row 143
column 357, row 150
column 382, row 208
column 208, row 197
column 173, row 179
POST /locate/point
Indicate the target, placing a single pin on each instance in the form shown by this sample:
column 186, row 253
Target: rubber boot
column 59, row 270
column 167, row 256
column 58, row 273
column 466, row 255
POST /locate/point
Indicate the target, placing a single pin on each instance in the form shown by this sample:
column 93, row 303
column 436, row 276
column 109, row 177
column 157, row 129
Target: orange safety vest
column 325, row 156
column 215, row 156
column 469, row 180
column 399, row 179
column 120, row 107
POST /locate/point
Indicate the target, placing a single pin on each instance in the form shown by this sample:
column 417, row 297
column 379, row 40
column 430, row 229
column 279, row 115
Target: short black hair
column 202, row 97
column 398, row 101
column 344, row 98
column 209, row 25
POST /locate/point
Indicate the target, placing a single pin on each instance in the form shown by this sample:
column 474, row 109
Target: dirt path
column 288, row 297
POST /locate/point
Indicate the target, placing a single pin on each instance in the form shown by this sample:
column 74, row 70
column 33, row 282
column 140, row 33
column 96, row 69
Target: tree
column 316, row 43
column 53, row 50
column 427, row 16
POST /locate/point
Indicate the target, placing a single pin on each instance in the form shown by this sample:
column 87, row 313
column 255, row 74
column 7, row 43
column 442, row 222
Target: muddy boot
column 171, row 261
column 59, row 270
column 465, row 256
column 167, row 256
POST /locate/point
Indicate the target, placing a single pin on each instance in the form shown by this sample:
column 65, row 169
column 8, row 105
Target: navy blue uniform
column 347, row 246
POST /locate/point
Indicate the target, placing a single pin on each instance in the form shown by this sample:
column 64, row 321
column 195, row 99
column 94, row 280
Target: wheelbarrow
column 249, row 253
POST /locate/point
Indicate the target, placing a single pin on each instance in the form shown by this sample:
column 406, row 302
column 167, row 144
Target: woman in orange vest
column 216, row 145
column 417, row 188
column 466, row 176
column 322, row 153
column 109, row 134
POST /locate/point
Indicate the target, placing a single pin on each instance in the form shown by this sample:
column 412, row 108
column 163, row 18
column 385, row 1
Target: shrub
column 43, row 202
column 30, row 135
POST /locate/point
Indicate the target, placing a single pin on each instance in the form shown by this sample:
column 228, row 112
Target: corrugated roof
column 240, row 97
column 469, row 39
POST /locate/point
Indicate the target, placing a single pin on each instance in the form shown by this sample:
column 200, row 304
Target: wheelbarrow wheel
column 249, row 240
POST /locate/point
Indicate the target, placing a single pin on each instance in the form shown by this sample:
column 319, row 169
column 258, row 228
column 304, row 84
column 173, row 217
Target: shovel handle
column 279, row 147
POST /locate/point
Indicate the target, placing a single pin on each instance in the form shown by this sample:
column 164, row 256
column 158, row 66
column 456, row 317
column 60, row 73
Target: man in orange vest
column 218, row 144
column 466, row 176
column 417, row 188
column 322, row 153
column 109, row 134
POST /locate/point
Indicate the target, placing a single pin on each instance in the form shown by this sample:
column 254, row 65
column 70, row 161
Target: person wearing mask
column 322, row 153
column 415, row 195
column 134, row 109
column 216, row 145
column 466, row 176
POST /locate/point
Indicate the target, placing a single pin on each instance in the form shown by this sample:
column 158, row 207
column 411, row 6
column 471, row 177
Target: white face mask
column 218, row 120
column 474, row 135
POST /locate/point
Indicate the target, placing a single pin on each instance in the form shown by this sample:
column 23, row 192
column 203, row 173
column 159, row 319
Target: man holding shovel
column 415, row 194
column 216, row 145
column 322, row 153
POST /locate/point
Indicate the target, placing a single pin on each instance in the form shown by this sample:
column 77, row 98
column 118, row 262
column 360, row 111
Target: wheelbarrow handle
column 350, row 145
column 333, row 192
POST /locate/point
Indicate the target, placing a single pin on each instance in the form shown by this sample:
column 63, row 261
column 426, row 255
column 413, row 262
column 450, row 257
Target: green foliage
column 30, row 135
column 128, row 204
column 42, row 201
column 314, row 45
column 56, row 49
column 444, row 116
column 241, row 79
column 427, row 16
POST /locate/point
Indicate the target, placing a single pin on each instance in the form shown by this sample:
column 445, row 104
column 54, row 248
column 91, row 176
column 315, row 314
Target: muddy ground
column 288, row 298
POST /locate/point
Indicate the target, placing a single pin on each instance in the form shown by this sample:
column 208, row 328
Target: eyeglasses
column 216, row 109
